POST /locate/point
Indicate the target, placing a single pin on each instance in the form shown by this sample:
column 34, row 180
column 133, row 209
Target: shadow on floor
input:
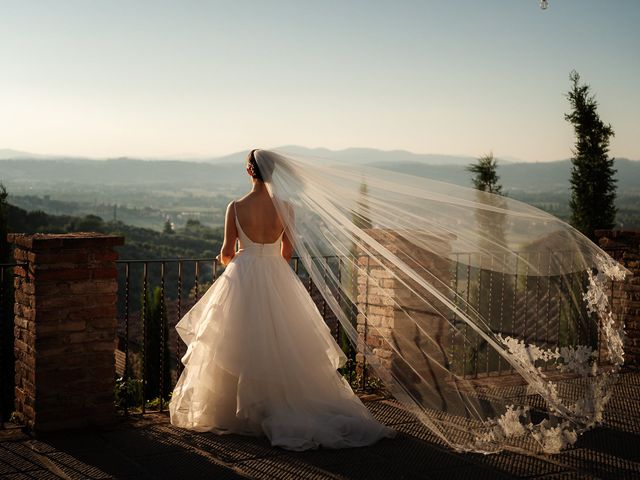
column 149, row 447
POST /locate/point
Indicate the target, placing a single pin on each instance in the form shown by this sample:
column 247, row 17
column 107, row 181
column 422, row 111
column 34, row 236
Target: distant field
column 146, row 193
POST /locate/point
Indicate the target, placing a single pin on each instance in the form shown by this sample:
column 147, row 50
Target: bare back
column 258, row 217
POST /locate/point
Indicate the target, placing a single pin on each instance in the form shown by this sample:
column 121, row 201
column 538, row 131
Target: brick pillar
column 624, row 246
column 65, row 329
column 385, row 298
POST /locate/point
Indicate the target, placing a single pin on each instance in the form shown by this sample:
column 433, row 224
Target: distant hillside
column 352, row 155
column 122, row 171
column 361, row 156
column 527, row 177
column 9, row 154
column 372, row 155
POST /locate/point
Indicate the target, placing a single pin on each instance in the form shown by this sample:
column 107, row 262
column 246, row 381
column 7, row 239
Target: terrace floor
column 149, row 447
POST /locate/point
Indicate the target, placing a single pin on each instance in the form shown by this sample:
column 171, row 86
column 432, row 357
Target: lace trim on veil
column 420, row 222
column 586, row 412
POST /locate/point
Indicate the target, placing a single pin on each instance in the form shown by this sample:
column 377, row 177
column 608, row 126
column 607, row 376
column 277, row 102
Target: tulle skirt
column 260, row 360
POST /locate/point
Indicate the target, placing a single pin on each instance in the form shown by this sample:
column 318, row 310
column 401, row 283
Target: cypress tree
column 593, row 186
column 485, row 174
column 491, row 230
column 168, row 227
column 361, row 214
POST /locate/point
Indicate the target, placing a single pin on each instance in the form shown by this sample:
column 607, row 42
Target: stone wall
column 624, row 246
column 395, row 317
column 65, row 329
column 383, row 296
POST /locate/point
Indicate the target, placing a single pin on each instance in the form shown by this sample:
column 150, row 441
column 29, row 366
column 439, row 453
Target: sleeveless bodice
column 260, row 360
column 255, row 248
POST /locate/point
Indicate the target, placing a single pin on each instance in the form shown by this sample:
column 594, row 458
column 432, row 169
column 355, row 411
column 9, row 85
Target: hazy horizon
column 208, row 79
column 196, row 158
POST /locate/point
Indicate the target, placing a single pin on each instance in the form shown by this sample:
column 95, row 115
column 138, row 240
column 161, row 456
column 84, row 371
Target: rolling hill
column 524, row 176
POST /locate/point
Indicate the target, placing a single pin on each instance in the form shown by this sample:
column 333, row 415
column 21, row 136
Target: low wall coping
column 64, row 240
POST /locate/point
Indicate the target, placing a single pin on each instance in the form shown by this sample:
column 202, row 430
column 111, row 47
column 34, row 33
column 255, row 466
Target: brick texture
column 400, row 312
column 624, row 246
column 65, row 329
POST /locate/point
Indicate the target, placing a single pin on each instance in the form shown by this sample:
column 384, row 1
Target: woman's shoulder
column 239, row 201
column 246, row 198
column 231, row 206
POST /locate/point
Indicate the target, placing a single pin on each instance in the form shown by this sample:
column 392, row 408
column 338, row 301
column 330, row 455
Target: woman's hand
column 223, row 259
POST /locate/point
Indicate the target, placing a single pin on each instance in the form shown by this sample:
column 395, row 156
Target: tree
column 486, row 176
column 593, row 186
column 361, row 214
column 490, row 218
column 88, row 223
column 4, row 227
column 156, row 319
column 168, row 227
column 7, row 359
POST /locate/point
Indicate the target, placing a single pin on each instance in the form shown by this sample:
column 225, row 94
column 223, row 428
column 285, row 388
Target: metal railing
column 541, row 312
column 545, row 310
column 153, row 290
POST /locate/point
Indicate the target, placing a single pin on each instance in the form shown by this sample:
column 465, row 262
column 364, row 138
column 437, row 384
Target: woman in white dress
column 260, row 359
column 450, row 283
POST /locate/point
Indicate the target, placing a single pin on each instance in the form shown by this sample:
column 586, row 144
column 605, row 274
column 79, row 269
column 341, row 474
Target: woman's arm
column 228, row 250
column 287, row 245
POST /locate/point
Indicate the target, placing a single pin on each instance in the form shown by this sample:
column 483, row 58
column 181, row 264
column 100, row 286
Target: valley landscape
column 148, row 193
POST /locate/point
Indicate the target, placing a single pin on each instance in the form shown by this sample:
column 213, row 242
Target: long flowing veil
column 486, row 317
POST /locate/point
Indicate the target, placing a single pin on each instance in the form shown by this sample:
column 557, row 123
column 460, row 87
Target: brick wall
column 624, row 246
column 386, row 295
column 65, row 329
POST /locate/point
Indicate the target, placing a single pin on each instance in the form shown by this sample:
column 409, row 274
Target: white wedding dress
column 260, row 360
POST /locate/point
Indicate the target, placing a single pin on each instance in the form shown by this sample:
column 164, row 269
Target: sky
column 109, row 78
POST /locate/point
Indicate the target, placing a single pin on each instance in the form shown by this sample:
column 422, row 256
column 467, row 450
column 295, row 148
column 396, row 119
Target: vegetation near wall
column 193, row 240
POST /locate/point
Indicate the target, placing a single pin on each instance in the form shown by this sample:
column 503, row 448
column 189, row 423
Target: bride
column 260, row 359
column 487, row 318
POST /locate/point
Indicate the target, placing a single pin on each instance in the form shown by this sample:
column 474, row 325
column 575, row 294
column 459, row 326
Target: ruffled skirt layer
column 260, row 360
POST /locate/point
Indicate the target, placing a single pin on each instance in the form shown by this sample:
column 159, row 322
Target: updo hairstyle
column 256, row 172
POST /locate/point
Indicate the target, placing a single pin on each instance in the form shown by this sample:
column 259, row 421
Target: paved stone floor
column 149, row 447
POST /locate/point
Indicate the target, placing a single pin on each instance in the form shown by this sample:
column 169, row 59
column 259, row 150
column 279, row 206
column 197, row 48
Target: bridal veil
column 486, row 317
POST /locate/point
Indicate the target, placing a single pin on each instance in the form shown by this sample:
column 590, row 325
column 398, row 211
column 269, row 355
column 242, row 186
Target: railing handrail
column 210, row 259
column 195, row 259
column 159, row 260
